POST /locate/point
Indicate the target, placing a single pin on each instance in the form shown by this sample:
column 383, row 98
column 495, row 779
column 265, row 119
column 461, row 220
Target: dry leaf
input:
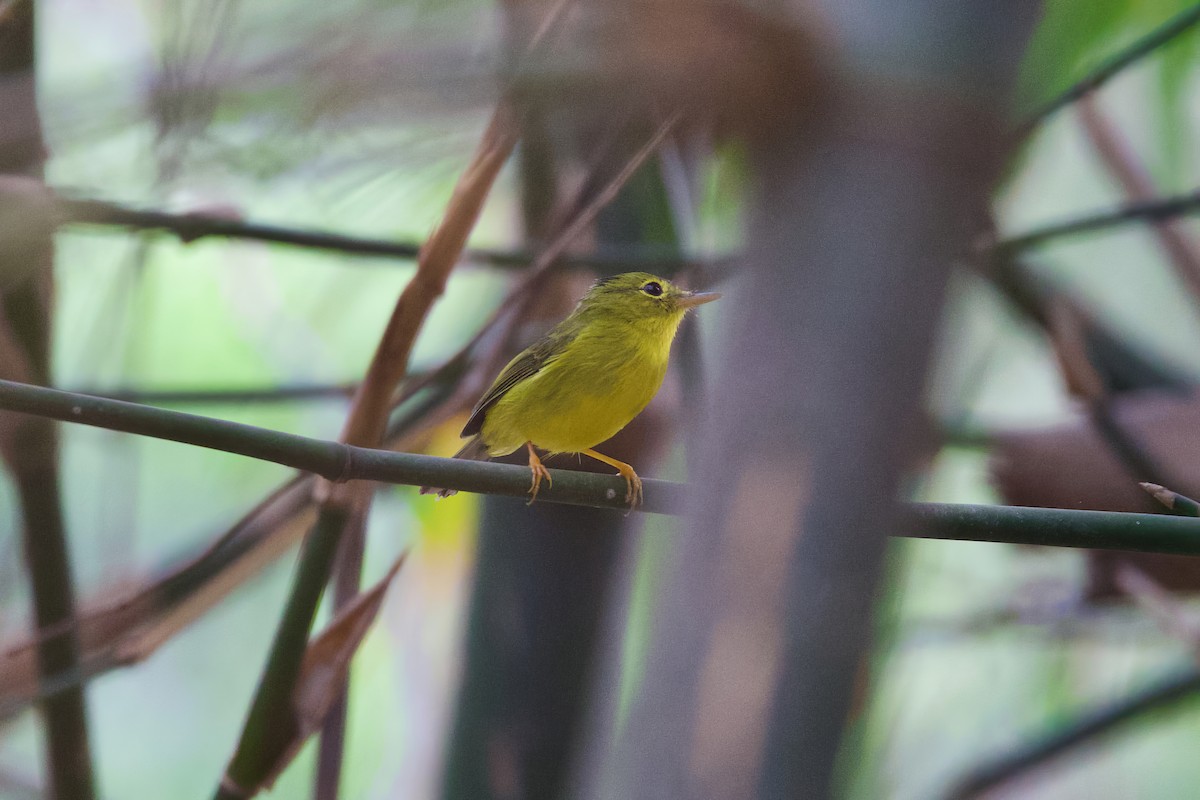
column 323, row 671
column 130, row 629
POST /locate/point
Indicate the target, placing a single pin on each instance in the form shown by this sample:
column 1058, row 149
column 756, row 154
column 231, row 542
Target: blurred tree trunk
column 766, row 609
column 31, row 444
column 542, row 576
column 543, row 572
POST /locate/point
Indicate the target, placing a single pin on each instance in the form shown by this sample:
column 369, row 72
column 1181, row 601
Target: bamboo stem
column 1143, row 211
column 1171, row 29
column 190, row 227
column 1085, row 728
column 30, row 447
column 334, row 460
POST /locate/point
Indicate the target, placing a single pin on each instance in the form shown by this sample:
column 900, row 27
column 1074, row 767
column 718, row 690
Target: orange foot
column 539, row 471
column 633, row 484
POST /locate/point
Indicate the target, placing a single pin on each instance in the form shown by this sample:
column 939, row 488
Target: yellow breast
column 600, row 382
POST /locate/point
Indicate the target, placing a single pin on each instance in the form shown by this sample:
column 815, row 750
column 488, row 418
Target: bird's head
column 641, row 296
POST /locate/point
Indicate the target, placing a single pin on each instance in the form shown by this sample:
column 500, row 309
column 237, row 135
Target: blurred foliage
column 1075, row 36
column 1070, row 41
column 356, row 118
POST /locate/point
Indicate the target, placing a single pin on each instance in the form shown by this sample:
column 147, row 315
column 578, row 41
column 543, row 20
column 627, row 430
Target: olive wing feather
column 524, row 366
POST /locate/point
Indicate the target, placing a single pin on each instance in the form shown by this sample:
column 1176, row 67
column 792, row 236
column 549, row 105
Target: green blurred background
column 291, row 113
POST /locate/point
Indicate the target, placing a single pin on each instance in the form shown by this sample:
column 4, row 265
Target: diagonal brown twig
column 264, row 533
column 1124, row 166
column 268, row 732
column 1160, row 605
column 1135, row 52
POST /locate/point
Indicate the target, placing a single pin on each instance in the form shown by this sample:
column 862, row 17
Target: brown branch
column 40, row 206
column 1125, row 167
column 118, row 633
column 267, row 734
column 271, row 716
column 14, row 366
column 189, row 227
column 1175, row 502
column 346, row 581
column 141, row 628
column 365, row 424
column 31, row 445
column 7, row 9
column 444, row 251
column 1066, row 333
column 589, row 209
column 479, row 358
column 124, row 632
column 121, row 632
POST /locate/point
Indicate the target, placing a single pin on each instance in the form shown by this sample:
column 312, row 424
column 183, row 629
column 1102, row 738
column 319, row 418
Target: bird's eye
column 653, row 288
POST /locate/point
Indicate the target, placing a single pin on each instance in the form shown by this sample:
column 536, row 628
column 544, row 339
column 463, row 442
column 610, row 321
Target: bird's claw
column 633, row 489
column 540, row 473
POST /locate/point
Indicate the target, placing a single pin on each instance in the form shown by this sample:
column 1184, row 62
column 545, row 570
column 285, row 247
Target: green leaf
column 1071, row 36
column 1173, row 121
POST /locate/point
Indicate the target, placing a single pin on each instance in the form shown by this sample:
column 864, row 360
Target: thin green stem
column 266, row 733
column 346, row 587
column 1179, row 504
column 1168, row 692
column 1179, row 24
column 1146, row 211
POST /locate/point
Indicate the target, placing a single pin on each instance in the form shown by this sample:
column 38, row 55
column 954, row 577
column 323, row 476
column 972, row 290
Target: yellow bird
column 584, row 380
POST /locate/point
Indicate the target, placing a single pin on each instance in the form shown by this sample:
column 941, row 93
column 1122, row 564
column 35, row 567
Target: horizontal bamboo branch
column 1056, row 527
column 188, row 227
column 228, row 395
column 1153, row 533
column 331, row 460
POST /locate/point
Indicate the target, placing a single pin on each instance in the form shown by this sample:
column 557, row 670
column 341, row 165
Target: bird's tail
column 474, row 450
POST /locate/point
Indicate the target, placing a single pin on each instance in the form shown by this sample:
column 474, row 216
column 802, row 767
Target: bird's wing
column 525, row 365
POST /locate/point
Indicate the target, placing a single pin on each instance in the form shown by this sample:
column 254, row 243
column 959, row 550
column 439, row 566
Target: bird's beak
column 693, row 299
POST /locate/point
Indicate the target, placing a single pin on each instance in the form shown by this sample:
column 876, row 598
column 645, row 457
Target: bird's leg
column 633, row 484
column 539, row 472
